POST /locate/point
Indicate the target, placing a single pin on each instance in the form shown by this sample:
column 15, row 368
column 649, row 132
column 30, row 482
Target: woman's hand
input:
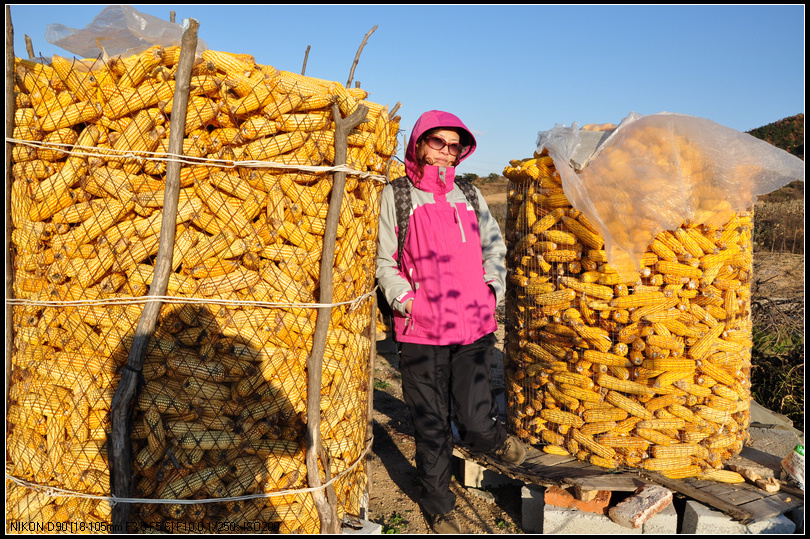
column 408, row 306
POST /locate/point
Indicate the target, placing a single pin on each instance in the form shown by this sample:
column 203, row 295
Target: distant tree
column 470, row 177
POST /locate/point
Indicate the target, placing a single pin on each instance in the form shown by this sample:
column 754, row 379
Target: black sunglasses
column 438, row 143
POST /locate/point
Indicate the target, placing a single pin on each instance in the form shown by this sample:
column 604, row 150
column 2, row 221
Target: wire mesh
column 219, row 424
column 643, row 367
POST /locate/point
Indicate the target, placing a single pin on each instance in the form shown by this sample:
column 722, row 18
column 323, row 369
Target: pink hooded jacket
column 452, row 264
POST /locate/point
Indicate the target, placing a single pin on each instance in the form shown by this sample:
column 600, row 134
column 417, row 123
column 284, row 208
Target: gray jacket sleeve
column 493, row 249
column 394, row 285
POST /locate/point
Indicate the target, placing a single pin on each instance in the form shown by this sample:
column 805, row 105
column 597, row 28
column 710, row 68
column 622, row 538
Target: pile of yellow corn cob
column 646, row 368
column 221, row 411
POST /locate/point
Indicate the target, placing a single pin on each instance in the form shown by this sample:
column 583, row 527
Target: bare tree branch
column 357, row 56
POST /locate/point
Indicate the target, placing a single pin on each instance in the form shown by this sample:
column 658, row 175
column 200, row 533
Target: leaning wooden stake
column 327, row 513
column 9, row 179
column 120, row 446
column 372, row 360
column 29, row 47
column 306, row 57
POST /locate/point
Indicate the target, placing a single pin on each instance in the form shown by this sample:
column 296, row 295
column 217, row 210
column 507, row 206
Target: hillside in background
column 787, row 133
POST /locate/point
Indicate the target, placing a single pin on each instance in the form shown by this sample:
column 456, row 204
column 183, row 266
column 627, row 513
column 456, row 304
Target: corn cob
column 722, row 476
column 210, row 440
column 555, row 450
column 624, row 386
column 598, row 291
column 628, row 442
column 591, row 445
column 186, row 487
column 74, row 114
column 637, row 300
column 628, row 405
column 580, row 393
column 594, row 428
column 562, row 418
column 604, row 414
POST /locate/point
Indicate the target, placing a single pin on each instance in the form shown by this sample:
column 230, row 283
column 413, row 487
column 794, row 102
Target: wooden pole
column 120, row 446
column 327, row 512
column 29, row 47
column 10, row 102
column 357, row 56
column 372, row 360
column 306, row 57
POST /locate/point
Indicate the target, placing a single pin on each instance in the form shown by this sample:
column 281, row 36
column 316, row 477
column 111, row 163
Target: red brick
column 559, row 497
column 645, row 503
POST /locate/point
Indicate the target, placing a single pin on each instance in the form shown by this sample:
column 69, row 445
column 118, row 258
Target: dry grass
column 779, row 226
column 777, row 374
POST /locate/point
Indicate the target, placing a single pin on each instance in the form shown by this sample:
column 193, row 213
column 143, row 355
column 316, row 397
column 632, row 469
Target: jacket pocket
column 423, row 316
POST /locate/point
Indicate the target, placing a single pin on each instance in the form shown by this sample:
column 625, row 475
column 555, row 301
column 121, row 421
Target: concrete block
column 559, row 520
column 797, row 516
column 664, row 523
column 537, row 517
column 531, row 508
column 698, row 519
column 477, row 476
column 368, row 528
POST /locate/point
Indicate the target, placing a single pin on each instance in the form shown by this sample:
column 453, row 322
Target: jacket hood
column 431, row 120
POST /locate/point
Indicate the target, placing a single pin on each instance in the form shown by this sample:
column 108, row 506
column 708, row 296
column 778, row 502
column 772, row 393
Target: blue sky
column 511, row 71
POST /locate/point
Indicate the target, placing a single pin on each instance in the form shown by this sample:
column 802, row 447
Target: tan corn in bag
column 622, row 355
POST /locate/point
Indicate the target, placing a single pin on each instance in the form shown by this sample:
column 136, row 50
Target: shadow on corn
column 221, row 414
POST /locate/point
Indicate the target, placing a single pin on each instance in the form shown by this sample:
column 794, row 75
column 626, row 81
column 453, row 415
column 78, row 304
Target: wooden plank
column 760, row 457
column 556, row 470
column 736, row 494
column 796, row 492
column 771, row 506
column 545, row 459
column 741, row 501
column 620, row 482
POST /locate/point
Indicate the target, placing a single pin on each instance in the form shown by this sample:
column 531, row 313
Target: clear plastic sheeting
column 654, row 172
column 117, row 30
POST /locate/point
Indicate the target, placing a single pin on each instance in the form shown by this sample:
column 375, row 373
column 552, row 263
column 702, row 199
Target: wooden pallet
column 743, row 502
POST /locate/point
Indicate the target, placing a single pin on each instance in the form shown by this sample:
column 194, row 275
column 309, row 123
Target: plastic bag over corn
column 654, row 172
column 117, row 30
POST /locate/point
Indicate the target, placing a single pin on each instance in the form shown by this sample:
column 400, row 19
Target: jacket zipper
column 460, row 224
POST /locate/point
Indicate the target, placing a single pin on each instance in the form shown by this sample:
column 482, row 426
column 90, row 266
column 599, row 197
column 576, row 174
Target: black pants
column 436, row 382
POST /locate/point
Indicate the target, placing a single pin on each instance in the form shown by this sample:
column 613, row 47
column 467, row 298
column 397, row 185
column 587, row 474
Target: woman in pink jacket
column 443, row 284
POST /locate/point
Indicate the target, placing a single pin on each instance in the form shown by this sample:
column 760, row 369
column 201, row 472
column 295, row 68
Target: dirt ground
column 393, row 500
